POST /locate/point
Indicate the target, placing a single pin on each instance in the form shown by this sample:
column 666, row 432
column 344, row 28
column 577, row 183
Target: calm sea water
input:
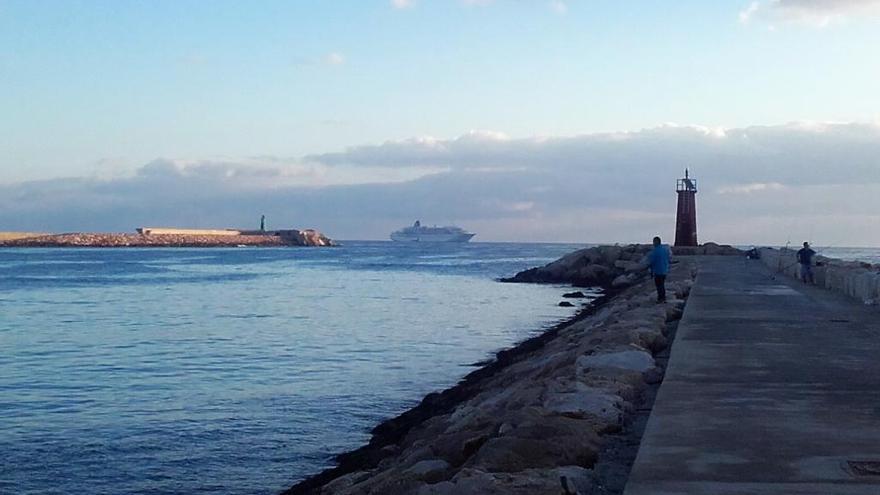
column 237, row 370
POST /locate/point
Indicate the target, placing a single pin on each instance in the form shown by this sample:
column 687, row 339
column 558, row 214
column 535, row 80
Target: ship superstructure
column 419, row 233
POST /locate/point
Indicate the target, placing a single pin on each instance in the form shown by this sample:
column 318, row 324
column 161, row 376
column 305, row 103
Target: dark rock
column 566, row 304
column 513, row 454
column 591, row 267
column 574, row 295
column 653, row 375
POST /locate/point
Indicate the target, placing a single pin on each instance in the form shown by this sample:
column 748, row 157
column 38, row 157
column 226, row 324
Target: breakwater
column 772, row 388
column 188, row 239
column 544, row 416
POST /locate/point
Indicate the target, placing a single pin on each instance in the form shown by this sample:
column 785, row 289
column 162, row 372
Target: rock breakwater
column 608, row 266
column 533, row 421
column 288, row 238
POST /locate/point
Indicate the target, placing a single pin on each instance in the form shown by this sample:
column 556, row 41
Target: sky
column 520, row 120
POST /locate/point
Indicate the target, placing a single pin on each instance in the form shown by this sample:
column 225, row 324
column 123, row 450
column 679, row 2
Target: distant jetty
column 172, row 237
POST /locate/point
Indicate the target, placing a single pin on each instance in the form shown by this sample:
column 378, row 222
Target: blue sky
column 93, row 89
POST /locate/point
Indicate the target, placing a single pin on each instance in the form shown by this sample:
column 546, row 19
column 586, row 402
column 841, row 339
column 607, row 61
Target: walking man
column 805, row 258
column 658, row 263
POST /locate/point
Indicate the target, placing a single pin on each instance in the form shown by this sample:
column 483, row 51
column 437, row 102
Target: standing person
column 658, row 263
column 805, row 258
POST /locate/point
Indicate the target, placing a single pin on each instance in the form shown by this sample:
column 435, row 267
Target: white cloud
column 817, row 13
column 758, row 154
column 746, row 14
column 402, row 4
column 334, row 58
column 559, row 6
column 750, row 188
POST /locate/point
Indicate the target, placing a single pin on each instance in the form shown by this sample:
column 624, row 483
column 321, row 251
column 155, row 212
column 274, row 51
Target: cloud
column 818, row 13
column 559, row 6
column 402, row 4
column 746, row 14
column 758, row 184
column 796, row 153
column 750, row 188
column 334, row 58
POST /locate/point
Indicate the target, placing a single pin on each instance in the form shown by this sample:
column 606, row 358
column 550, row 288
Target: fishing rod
column 818, row 252
column 779, row 267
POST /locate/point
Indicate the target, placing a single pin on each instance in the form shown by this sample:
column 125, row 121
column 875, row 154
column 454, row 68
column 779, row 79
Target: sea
column 240, row 370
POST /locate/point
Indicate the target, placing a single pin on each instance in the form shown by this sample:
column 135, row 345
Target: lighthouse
column 686, row 216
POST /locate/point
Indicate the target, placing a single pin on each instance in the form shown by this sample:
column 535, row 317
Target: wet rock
column 565, row 304
column 574, row 295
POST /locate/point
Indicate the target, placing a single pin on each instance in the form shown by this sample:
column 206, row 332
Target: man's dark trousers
column 660, row 282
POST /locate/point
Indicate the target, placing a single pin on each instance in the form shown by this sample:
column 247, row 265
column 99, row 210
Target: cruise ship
column 418, row 233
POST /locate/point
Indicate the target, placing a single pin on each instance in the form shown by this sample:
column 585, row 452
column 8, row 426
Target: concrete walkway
column 772, row 388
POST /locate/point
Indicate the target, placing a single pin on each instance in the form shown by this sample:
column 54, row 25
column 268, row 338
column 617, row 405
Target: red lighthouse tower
column 686, row 217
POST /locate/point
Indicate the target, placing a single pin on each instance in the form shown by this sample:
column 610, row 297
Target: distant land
column 169, row 237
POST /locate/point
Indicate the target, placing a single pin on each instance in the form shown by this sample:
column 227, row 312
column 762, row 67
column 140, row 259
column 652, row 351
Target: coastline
column 543, row 409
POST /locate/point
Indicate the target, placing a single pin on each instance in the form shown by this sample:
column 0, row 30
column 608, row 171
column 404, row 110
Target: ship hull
column 407, row 237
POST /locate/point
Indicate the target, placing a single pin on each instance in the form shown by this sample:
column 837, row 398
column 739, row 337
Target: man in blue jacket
column 658, row 263
column 805, row 258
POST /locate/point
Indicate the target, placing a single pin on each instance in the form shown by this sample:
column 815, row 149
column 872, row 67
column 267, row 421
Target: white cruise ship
column 418, row 233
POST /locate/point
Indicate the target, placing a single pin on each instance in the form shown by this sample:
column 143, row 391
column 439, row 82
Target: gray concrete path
column 772, row 388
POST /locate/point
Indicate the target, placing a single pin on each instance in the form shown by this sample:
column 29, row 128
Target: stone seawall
column 857, row 280
column 535, row 421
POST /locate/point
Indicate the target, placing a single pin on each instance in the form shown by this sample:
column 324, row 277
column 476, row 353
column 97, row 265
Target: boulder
column 586, row 402
column 345, row 482
column 593, row 275
column 527, row 482
column 591, row 267
column 633, row 360
column 566, row 304
column 512, row 454
column 624, row 280
column 429, row 470
column 629, row 266
column 574, row 295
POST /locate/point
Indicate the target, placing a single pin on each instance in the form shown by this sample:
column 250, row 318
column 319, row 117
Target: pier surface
column 773, row 387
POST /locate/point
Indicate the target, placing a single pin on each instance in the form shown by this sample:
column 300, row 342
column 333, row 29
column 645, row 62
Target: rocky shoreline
column 120, row 240
column 544, row 416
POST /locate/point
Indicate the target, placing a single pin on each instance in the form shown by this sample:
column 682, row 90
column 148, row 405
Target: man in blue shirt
column 658, row 263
